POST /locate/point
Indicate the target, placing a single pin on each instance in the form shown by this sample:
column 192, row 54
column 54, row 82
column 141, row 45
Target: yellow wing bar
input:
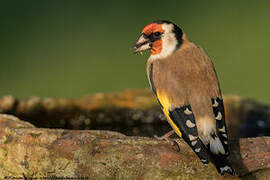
column 164, row 101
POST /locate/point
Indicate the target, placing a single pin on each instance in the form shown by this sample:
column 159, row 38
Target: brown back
column 187, row 77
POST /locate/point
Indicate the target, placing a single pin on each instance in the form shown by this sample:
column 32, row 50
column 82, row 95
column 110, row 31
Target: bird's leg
column 167, row 138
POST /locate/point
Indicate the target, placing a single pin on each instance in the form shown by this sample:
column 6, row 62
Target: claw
column 176, row 145
column 167, row 138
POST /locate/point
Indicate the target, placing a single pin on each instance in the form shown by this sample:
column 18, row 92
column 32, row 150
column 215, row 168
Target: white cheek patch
column 169, row 42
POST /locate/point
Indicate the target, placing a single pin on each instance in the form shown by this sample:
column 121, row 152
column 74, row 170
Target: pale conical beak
column 142, row 44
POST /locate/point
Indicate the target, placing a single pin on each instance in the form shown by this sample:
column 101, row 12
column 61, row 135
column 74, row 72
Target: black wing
column 184, row 119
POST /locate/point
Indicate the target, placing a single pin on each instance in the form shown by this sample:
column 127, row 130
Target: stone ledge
column 98, row 154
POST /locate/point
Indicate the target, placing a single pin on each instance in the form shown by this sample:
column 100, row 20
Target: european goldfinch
column 184, row 80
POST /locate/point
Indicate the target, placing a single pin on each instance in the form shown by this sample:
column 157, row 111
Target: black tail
column 220, row 160
column 222, row 164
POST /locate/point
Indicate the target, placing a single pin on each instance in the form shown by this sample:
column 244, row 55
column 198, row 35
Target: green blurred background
column 72, row 48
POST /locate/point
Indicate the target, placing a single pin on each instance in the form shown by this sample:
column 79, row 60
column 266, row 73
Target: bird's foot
column 168, row 139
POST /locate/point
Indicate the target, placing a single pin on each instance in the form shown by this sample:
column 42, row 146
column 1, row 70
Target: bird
column 185, row 83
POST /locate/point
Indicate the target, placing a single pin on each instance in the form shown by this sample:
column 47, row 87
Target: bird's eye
column 157, row 34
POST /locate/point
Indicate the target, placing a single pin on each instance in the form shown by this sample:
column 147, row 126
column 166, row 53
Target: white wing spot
column 215, row 104
column 219, row 116
column 198, row 150
column 192, row 138
column 225, row 168
column 204, row 160
column 190, row 124
column 193, row 143
column 225, row 142
column 187, row 111
column 222, row 129
column 225, row 135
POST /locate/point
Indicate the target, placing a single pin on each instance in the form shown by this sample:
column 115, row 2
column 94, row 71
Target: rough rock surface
column 27, row 151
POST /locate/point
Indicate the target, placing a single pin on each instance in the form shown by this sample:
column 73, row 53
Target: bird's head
column 161, row 37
